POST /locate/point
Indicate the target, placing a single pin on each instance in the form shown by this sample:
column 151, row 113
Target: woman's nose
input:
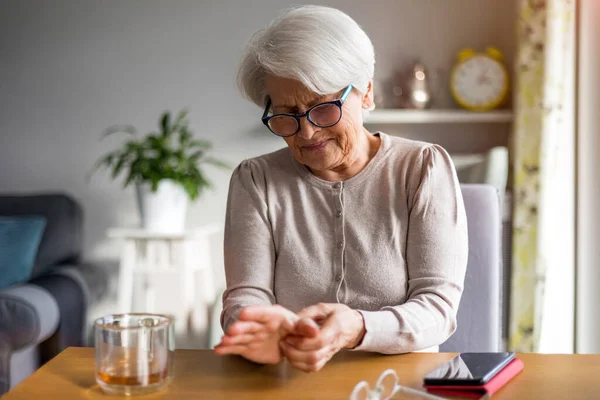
column 307, row 130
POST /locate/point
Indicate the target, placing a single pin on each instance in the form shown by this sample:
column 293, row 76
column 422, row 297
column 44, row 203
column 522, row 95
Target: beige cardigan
column 390, row 242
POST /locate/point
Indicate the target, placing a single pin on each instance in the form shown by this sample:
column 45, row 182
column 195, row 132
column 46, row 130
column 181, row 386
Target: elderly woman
column 344, row 239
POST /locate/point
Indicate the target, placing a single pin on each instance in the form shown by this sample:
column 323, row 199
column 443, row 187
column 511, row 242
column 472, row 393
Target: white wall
column 68, row 69
column 588, row 193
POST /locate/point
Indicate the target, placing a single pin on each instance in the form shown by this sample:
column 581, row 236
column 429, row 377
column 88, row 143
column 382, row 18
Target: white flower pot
column 163, row 211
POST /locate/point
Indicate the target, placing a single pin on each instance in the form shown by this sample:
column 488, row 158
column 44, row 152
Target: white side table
column 166, row 273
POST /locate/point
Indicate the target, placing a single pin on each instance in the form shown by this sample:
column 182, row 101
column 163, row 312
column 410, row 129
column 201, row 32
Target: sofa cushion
column 19, row 241
column 62, row 239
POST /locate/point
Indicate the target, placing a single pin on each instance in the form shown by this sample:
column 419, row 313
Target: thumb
column 289, row 322
column 330, row 329
column 316, row 312
column 307, row 327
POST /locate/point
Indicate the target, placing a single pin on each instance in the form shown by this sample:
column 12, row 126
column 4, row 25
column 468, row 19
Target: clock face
column 479, row 82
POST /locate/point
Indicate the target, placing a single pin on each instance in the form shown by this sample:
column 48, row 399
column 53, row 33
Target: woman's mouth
column 316, row 146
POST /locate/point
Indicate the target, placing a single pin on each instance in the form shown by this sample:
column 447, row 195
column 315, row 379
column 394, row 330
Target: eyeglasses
column 322, row 115
column 385, row 389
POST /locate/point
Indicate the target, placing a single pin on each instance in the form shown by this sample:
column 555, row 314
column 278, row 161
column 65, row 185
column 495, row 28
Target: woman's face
column 320, row 149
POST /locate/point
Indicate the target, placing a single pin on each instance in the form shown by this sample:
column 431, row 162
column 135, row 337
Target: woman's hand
column 340, row 327
column 257, row 333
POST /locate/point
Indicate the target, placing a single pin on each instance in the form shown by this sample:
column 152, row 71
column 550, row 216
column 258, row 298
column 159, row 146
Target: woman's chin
column 318, row 160
column 318, row 166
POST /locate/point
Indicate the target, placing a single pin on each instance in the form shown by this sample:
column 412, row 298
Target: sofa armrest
column 93, row 279
column 5, row 352
column 28, row 315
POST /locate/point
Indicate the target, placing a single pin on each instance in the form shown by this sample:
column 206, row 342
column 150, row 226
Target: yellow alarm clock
column 479, row 81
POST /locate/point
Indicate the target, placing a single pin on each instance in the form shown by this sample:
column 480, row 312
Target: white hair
column 321, row 47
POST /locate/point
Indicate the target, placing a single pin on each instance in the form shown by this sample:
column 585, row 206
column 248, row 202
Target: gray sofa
column 41, row 317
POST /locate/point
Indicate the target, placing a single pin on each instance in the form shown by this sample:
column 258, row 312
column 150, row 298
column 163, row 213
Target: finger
column 245, row 327
column 243, row 338
column 304, row 344
column 272, row 316
column 225, row 350
column 328, row 334
column 331, row 329
column 316, row 312
column 307, row 327
column 308, row 357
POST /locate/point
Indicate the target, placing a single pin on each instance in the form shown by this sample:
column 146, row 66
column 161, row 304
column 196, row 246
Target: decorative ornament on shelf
column 166, row 168
column 479, row 81
column 413, row 88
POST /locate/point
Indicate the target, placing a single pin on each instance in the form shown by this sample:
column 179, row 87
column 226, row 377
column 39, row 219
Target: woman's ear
column 368, row 102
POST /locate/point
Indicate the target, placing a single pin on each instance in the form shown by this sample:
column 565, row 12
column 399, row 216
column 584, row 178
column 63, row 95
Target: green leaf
column 119, row 165
column 191, row 187
column 130, row 178
column 195, row 156
column 184, row 137
column 164, row 123
column 157, row 143
column 180, row 119
column 129, row 129
column 105, row 161
column 200, row 179
column 133, row 147
column 139, row 168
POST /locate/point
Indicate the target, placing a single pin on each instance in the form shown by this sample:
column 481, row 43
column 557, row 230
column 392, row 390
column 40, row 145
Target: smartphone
column 469, row 369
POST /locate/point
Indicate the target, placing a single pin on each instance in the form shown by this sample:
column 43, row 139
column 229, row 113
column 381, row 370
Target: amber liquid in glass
column 125, row 374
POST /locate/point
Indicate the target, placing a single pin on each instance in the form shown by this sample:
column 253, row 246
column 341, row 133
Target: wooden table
column 200, row 374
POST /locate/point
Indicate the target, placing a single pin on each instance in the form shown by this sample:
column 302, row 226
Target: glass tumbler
column 134, row 353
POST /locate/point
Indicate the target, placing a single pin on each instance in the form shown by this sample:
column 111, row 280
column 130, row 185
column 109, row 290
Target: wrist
column 358, row 331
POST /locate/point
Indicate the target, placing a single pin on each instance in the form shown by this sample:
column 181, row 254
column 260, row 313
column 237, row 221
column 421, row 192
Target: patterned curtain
column 543, row 120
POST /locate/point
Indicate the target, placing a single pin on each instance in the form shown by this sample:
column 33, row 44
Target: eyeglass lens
column 323, row 115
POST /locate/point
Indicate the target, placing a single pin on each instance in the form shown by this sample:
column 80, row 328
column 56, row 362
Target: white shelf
column 139, row 233
column 400, row 116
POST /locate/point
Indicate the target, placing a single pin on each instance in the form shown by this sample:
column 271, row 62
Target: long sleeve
column 248, row 247
column 436, row 259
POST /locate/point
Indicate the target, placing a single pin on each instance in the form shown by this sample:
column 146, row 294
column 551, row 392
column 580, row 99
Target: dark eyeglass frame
column 339, row 102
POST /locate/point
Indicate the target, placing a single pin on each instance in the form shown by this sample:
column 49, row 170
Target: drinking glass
column 134, row 353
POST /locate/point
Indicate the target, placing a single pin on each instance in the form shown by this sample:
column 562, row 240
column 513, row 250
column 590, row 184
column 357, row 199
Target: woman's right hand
column 257, row 333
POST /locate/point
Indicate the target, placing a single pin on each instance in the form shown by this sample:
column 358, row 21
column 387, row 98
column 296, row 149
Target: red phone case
column 474, row 392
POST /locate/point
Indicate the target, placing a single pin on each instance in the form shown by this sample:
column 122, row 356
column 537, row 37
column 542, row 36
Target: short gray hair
column 321, row 47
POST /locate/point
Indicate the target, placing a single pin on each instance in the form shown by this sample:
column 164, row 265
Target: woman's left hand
column 257, row 333
column 340, row 327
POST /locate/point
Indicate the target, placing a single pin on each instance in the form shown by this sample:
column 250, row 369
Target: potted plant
column 166, row 169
